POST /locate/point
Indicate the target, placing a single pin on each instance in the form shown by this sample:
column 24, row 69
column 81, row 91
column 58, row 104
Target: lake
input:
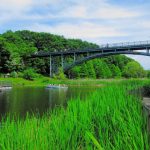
column 20, row 100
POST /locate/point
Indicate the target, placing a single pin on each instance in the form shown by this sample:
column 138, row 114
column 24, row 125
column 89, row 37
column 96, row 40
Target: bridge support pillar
column 74, row 57
column 147, row 51
column 87, row 54
column 62, row 61
column 50, row 66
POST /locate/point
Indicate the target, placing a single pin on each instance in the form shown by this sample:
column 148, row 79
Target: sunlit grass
column 43, row 81
column 110, row 118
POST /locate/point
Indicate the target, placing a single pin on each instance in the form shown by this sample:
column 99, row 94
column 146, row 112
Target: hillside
column 16, row 46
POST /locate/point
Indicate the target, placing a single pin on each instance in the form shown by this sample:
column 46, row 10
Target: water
column 21, row 100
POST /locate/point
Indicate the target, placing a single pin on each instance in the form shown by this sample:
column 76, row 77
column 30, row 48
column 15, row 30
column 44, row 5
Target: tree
column 91, row 70
column 148, row 73
column 133, row 70
column 102, row 70
column 75, row 72
column 84, row 71
column 15, row 47
column 60, row 75
column 116, row 72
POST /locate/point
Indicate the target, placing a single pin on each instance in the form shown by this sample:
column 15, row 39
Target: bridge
column 61, row 59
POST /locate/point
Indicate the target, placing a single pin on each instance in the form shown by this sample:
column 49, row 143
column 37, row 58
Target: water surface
column 20, row 100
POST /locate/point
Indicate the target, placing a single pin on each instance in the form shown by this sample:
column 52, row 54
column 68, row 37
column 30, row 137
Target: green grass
column 109, row 119
column 43, row 81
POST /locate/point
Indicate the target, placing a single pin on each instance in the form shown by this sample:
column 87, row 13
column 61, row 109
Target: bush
column 60, row 75
column 20, row 74
column 29, row 74
column 1, row 75
column 14, row 74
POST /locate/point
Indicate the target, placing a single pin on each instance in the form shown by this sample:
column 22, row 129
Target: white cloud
column 14, row 5
column 111, row 20
column 13, row 9
column 83, row 30
column 75, row 12
column 103, row 11
column 114, row 12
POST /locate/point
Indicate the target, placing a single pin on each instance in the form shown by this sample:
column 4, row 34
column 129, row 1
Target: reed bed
column 109, row 119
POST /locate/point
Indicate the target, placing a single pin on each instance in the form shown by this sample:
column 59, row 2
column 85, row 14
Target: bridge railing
column 125, row 44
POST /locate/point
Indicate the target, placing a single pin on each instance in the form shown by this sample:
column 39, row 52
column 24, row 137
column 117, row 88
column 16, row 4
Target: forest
column 16, row 47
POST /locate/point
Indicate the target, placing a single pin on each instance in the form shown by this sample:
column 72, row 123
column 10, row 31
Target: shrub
column 1, row 75
column 29, row 74
column 20, row 74
column 60, row 75
column 14, row 74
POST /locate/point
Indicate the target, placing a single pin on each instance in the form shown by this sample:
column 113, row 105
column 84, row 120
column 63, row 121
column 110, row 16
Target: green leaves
column 134, row 70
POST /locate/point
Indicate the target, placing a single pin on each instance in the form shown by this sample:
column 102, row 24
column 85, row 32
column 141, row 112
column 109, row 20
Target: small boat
column 54, row 86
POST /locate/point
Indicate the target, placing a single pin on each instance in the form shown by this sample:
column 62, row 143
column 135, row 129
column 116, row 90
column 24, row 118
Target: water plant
column 110, row 118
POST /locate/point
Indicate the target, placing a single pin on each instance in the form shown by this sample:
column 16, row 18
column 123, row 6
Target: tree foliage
column 134, row 70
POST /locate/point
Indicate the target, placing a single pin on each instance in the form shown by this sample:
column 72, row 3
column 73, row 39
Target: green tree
column 116, row 72
column 84, row 71
column 133, row 70
column 148, row 73
column 91, row 70
column 102, row 69
column 60, row 75
column 75, row 72
column 15, row 47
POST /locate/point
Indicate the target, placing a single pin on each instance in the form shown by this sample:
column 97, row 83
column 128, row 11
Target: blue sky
column 98, row 21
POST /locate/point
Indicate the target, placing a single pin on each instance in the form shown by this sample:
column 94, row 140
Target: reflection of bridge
column 61, row 59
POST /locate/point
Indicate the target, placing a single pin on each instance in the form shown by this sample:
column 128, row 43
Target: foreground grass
column 110, row 118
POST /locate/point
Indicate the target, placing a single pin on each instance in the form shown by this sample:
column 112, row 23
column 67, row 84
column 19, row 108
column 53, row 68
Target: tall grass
column 109, row 119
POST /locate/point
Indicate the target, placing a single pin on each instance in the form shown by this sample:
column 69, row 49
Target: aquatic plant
column 110, row 118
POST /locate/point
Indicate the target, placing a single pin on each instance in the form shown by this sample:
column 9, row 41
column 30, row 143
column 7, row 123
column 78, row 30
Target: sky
column 97, row 21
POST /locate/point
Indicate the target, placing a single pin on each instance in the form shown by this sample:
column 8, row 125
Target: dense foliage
column 15, row 47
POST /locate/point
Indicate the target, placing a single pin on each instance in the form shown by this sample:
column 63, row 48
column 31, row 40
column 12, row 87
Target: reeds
column 109, row 119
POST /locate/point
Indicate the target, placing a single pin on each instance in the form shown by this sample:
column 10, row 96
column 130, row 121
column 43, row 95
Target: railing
column 105, row 46
column 125, row 44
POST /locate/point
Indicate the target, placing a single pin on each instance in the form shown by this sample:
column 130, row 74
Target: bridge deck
column 116, row 47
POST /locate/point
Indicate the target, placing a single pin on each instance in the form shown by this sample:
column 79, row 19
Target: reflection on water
column 21, row 100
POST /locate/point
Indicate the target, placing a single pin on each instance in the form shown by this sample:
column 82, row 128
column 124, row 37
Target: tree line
column 15, row 47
